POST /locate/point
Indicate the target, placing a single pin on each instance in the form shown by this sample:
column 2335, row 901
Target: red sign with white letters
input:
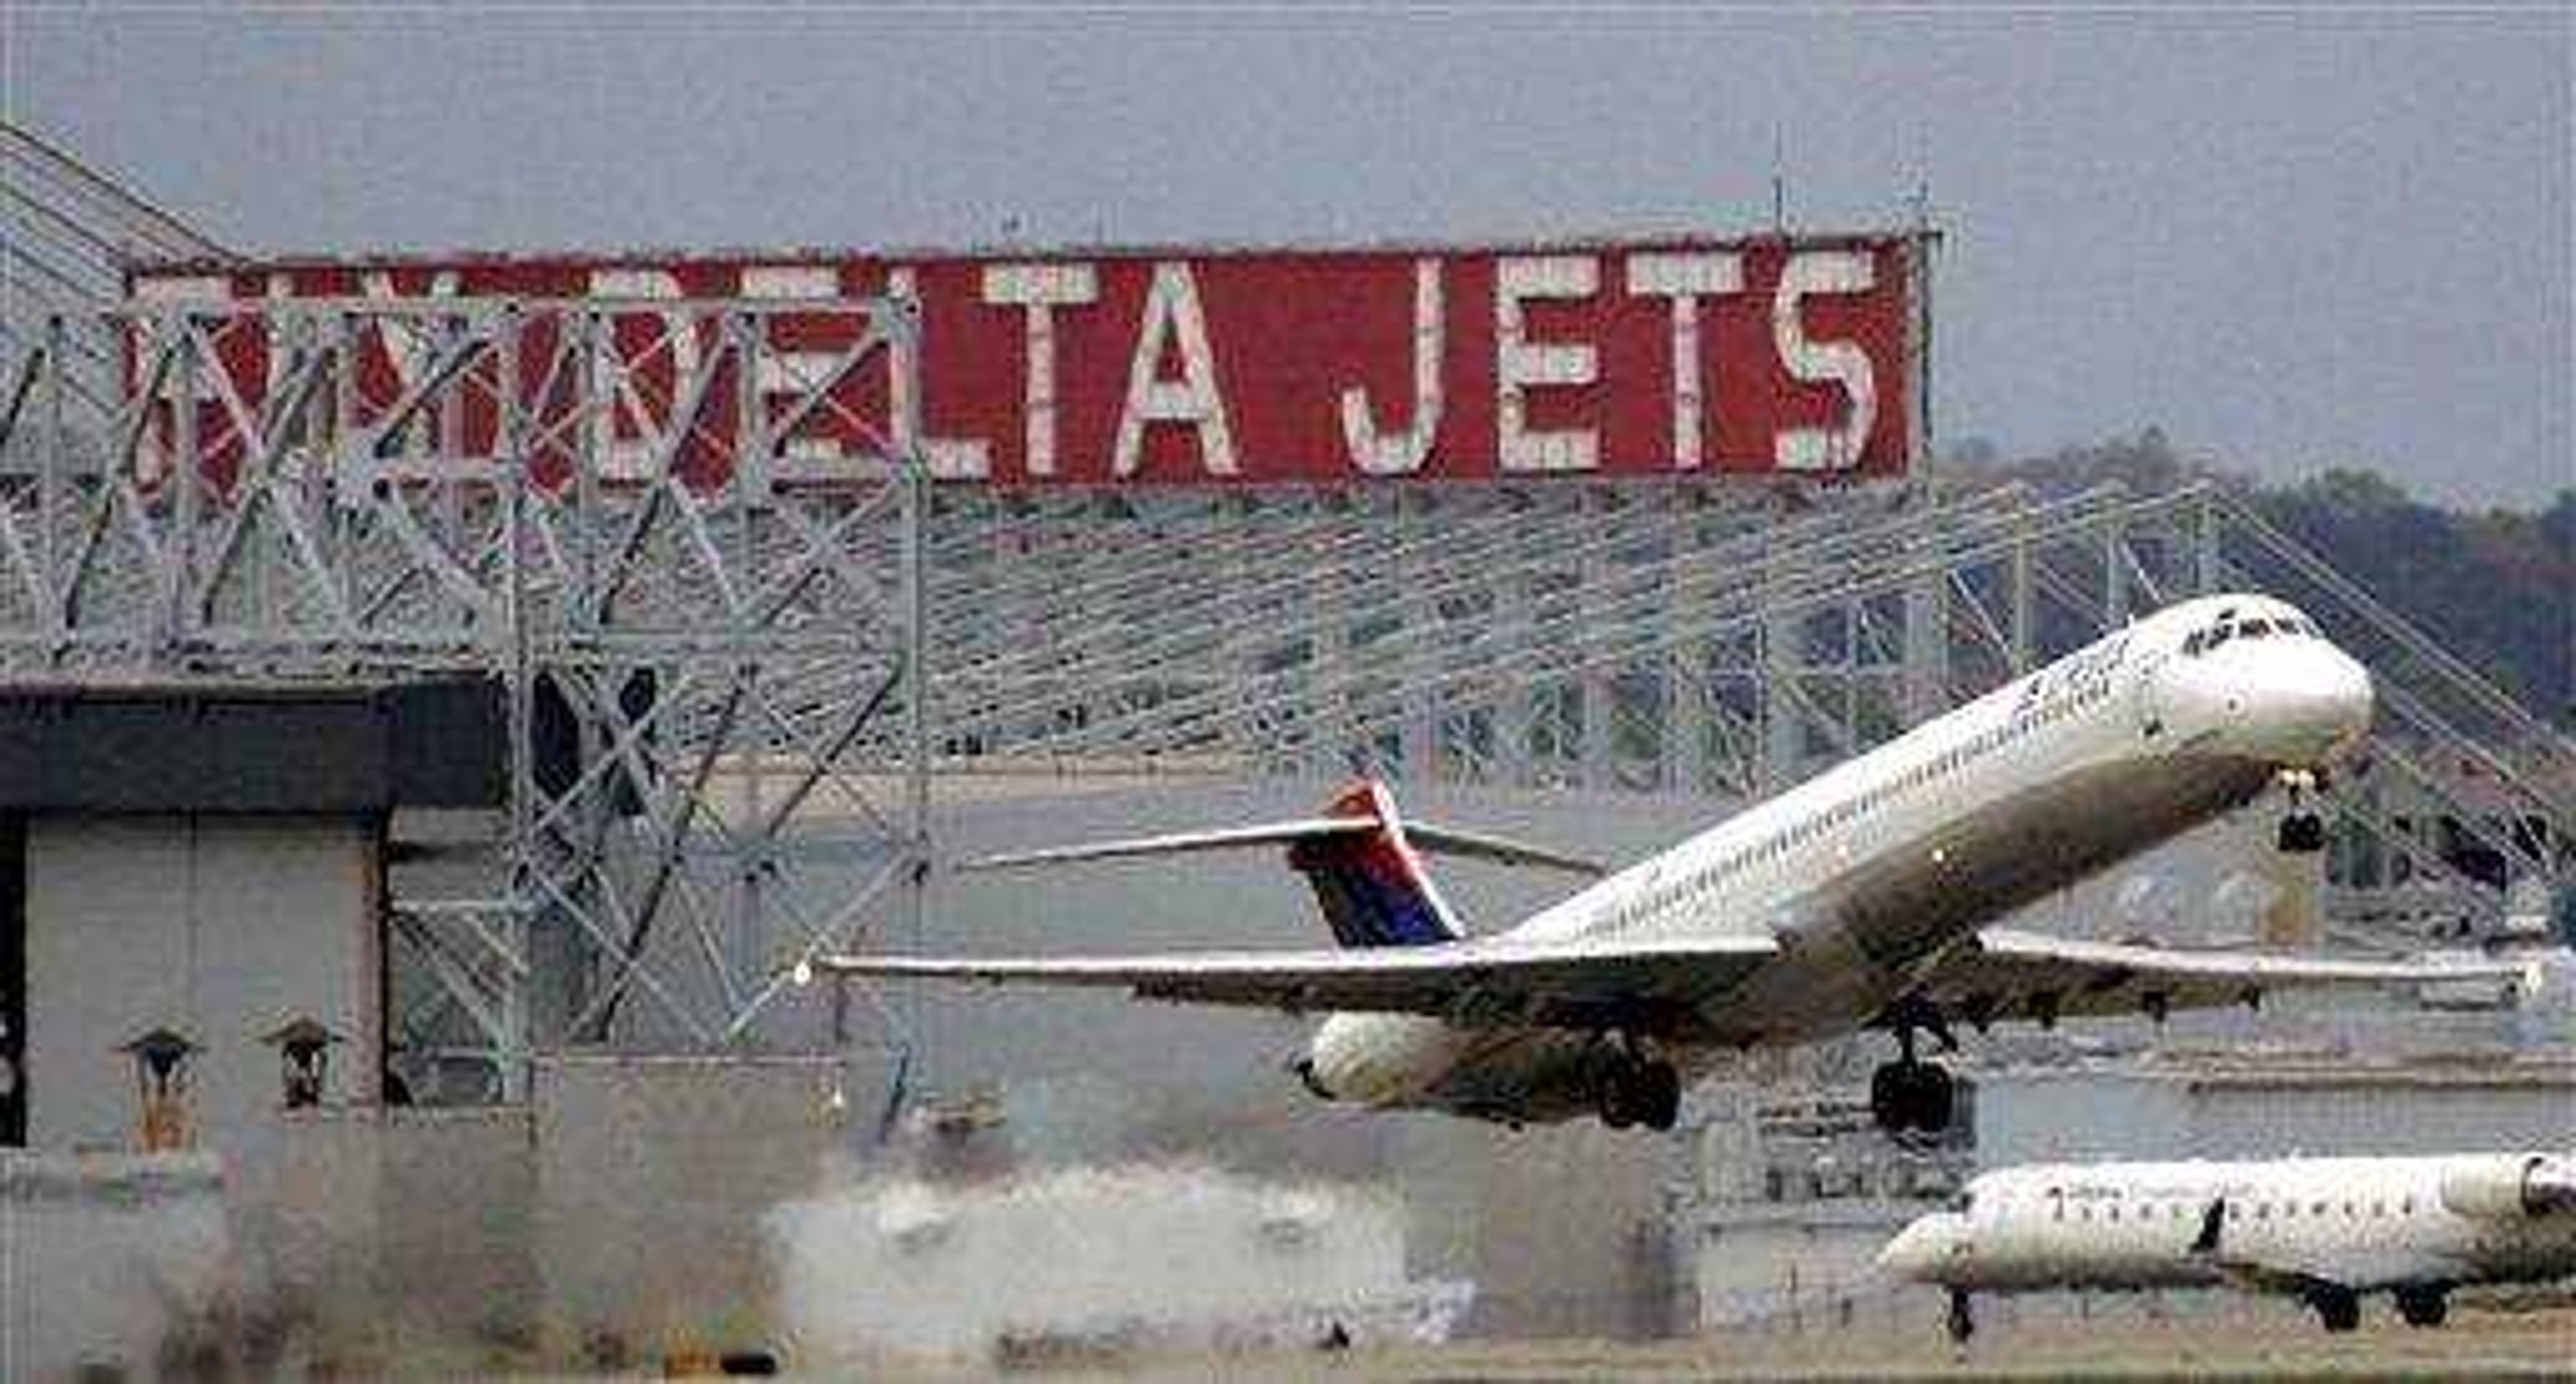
column 1763, row 356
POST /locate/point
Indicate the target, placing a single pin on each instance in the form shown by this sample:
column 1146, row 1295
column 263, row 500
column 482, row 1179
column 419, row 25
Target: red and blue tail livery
column 1371, row 884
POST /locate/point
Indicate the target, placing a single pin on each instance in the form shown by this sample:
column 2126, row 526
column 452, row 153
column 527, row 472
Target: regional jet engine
column 2511, row 1185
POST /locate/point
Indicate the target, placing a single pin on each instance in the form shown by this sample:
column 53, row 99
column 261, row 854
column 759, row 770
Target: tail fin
column 1371, row 884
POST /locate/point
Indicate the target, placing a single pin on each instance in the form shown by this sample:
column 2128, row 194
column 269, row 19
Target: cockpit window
column 1963, row 1201
column 2229, row 625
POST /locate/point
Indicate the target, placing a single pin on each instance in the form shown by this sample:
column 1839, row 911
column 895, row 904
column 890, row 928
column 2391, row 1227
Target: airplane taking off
column 2324, row 1229
column 1861, row 898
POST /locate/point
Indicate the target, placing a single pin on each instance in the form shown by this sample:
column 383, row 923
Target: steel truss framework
column 630, row 540
column 1705, row 640
column 563, row 535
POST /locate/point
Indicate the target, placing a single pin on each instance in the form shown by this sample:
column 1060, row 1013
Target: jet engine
column 2511, row 1185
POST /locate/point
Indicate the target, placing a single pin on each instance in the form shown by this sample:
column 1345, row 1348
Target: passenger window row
column 2261, row 1210
column 1703, row 882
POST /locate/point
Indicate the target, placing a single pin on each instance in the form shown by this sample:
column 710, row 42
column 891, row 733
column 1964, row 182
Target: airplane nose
column 2347, row 696
column 2332, row 697
column 1911, row 1256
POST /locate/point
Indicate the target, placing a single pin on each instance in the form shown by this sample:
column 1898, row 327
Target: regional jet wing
column 2352, row 1268
column 1646, row 986
column 2005, row 973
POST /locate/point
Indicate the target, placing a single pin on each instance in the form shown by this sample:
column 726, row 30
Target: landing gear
column 1636, row 1089
column 1910, row 1093
column 2338, row 1310
column 1913, row 1095
column 2303, row 832
column 1961, row 1322
column 2427, row 1306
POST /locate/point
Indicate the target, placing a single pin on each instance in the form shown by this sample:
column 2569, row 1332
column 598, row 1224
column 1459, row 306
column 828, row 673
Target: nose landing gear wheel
column 1641, row 1091
column 2302, row 833
column 1961, row 1322
column 2423, row 1306
column 2337, row 1311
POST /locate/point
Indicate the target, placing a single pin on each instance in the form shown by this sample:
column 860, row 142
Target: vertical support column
column 1421, row 720
column 2115, row 575
column 1783, row 651
column 914, row 478
column 179, row 540
column 2209, row 565
column 1327, row 662
column 1514, row 697
column 1598, row 686
column 1687, row 693
column 51, row 505
column 1927, row 642
column 521, row 926
column 2023, row 633
column 746, row 329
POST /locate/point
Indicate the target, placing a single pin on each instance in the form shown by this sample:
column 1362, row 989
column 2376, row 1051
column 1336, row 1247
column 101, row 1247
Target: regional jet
column 1865, row 897
column 2326, row 1230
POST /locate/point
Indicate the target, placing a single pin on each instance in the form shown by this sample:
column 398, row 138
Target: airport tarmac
column 2478, row 1344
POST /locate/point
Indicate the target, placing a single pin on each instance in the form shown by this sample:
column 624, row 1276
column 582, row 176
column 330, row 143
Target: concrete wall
column 391, row 1229
column 1561, row 1228
column 1790, row 1266
column 219, row 927
column 653, row 1178
column 2036, row 1115
column 113, row 1261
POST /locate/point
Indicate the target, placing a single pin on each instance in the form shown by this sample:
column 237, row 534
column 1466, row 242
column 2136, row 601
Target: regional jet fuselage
column 2326, row 1230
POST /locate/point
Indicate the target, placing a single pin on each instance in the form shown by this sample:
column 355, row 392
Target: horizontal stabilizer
column 1433, row 839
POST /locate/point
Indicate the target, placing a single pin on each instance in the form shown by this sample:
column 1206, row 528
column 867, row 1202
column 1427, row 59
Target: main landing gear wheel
column 2423, row 1306
column 1913, row 1095
column 2337, row 1310
column 1640, row 1091
column 1961, row 1322
column 2302, row 833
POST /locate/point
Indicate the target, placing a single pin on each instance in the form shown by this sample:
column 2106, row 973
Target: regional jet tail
column 1863, row 898
column 2326, row 1230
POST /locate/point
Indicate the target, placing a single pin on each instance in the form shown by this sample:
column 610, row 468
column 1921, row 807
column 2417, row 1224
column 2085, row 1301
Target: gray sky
column 2293, row 240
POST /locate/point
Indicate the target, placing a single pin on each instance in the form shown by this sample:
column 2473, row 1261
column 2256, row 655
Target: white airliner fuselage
column 1858, row 899
column 1867, row 872
column 2324, row 1229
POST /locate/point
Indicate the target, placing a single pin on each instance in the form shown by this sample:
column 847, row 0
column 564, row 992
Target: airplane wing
column 2352, row 1267
column 1649, row 986
column 2005, row 973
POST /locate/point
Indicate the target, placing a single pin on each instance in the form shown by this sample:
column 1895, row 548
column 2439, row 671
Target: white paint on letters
column 1685, row 278
column 1172, row 313
column 784, row 375
column 152, row 460
column 949, row 458
column 613, row 375
column 1835, row 362
column 1402, row 453
column 1038, row 290
column 1521, row 365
